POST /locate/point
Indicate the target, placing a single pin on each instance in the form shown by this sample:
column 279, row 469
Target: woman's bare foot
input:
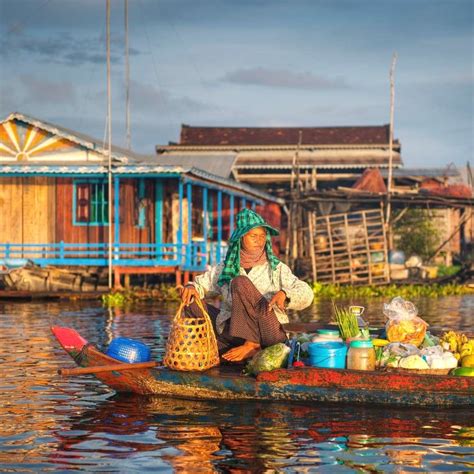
column 246, row 350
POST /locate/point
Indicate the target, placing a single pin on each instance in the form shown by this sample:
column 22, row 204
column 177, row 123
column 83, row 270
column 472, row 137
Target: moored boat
column 294, row 385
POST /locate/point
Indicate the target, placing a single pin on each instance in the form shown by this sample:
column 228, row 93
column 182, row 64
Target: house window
column 91, row 203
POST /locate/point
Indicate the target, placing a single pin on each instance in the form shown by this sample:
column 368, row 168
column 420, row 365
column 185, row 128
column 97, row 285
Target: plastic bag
column 438, row 358
column 402, row 350
column 270, row 358
column 403, row 324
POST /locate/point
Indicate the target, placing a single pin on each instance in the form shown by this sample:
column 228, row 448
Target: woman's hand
column 188, row 294
column 278, row 299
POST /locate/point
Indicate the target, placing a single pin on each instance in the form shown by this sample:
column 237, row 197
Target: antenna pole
column 127, row 80
column 109, row 144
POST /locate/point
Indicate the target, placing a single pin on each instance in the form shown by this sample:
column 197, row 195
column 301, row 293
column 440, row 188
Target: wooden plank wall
column 129, row 231
column 65, row 229
column 39, row 220
column 11, row 208
column 27, row 207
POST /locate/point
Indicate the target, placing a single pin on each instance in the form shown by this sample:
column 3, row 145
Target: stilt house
column 54, row 204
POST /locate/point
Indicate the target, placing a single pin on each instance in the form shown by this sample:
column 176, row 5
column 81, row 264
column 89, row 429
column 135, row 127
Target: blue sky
column 247, row 63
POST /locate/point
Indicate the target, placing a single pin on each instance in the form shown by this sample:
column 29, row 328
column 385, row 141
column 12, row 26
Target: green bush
column 416, row 234
column 444, row 270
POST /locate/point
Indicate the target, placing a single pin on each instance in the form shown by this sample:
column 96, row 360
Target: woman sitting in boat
column 256, row 289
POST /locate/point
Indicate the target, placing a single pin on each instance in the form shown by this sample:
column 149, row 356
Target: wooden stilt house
column 166, row 219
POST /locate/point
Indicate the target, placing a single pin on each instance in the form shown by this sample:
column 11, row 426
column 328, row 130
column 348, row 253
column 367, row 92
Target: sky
column 247, row 63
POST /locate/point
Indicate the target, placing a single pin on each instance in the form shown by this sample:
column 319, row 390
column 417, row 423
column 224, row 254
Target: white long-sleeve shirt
column 266, row 281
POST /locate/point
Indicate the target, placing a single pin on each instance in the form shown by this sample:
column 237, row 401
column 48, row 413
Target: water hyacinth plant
column 390, row 291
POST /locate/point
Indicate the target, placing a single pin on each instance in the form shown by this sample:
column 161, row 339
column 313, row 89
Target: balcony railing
column 194, row 256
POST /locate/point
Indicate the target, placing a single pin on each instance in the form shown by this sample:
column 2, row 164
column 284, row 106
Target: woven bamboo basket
column 192, row 344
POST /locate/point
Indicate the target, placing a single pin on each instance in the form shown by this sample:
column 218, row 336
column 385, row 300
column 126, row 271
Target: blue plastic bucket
column 128, row 350
column 330, row 355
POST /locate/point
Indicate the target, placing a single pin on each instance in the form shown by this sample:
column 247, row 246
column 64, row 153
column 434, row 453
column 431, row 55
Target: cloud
column 260, row 76
column 155, row 101
column 41, row 91
column 62, row 48
column 36, row 96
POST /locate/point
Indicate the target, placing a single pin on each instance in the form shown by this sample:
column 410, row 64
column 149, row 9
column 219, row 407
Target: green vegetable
column 270, row 358
column 464, row 371
column 347, row 322
column 413, row 362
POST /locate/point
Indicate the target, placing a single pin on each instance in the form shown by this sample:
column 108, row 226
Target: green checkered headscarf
column 246, row 220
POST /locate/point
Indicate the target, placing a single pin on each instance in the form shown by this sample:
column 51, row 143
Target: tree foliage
column 416, row 234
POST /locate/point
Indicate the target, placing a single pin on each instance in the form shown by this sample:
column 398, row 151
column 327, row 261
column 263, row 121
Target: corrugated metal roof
column 423, row 172
column 318, row 166
column 137, row 169
column 237, row 185
column 218, row 164
column 52, row 169
column 316, row 158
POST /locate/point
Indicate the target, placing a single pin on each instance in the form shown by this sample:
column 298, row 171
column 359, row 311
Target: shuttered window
column 91, row 202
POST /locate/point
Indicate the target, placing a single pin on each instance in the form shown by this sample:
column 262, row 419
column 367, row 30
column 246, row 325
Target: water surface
column 49, row 423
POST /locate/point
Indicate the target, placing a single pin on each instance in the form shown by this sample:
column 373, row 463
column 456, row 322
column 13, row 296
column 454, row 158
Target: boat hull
column 296, row 385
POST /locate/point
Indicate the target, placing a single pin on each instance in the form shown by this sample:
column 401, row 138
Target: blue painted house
column 54, row 204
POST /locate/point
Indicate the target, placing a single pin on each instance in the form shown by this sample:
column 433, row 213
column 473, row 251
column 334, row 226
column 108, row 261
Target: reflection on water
column 48, row 423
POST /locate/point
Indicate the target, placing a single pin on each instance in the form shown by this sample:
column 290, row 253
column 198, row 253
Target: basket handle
column 199, row 305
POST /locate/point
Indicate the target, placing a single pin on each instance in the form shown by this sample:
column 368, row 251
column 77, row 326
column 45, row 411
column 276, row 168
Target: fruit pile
column 460, row 345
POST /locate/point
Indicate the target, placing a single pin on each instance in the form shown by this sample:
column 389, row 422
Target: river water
column 54, row 424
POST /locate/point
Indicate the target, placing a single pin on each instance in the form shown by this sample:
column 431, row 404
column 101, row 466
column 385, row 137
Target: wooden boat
column 34, row 278
column 295, row 385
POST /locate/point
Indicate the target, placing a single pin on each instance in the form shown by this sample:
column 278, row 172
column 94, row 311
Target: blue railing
column 193, row 257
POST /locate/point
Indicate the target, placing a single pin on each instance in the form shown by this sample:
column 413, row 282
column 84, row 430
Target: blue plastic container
column 397, row 257
column 128, row 350
column 330, row 355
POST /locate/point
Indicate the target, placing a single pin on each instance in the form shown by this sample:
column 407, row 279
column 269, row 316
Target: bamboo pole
column 387, row 263
column 311, row 244
column 390, row 146
column 331, row 250
column 295, row 193
column 109, row 145
column 349, row 249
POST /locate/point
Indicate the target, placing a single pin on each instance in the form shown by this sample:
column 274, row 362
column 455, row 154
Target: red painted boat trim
column 69, row 339
column 361, row 380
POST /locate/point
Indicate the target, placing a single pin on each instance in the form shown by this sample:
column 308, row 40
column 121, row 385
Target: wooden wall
column 40, row 210
column 65, row 229
column 129, row 230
